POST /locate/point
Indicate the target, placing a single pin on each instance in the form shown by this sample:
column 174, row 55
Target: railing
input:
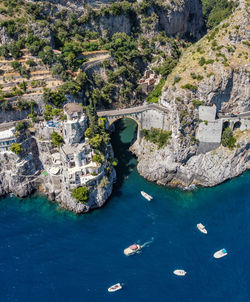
column 132, row 110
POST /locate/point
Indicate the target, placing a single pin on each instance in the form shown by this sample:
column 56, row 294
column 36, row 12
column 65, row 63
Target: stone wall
column 155, row 119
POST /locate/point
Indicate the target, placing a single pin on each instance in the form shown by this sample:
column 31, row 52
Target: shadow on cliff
column 121, row 151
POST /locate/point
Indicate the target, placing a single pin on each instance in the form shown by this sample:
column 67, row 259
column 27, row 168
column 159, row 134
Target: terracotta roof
column 72, row 107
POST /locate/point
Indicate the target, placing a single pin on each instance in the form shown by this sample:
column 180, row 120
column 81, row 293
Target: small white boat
column 145, row 195
column 179, row 272
column 221, row 253
column 115, row 287
column 201, row 228
column 132, row 249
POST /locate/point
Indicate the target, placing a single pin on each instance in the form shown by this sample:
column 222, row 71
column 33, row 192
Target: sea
column 51, row 255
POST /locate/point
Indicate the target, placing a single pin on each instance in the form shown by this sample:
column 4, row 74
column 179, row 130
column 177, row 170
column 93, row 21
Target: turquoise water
column 48, row 254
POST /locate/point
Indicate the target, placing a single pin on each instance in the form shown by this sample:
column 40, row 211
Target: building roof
column 210, row 132
column 7, row 134
column 207, row 113
column 72, row 107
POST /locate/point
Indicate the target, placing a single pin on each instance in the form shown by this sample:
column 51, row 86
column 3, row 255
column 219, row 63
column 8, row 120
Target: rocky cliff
column 214, row 71
column 57, row 171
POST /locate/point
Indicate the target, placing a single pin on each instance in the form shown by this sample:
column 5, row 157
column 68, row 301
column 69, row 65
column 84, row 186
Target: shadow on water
column 122, row 138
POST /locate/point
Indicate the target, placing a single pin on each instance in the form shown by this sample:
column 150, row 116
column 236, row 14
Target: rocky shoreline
column 207, row 170
column 56, row 170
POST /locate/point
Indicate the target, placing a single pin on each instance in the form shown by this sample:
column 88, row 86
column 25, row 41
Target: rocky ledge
column 209, row 169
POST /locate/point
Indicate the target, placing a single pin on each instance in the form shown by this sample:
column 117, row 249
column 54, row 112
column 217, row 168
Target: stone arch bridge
column 146, row 116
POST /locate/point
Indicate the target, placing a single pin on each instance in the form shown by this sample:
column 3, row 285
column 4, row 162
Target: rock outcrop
column 57, row 171
column 209, row 169
column 214, row 71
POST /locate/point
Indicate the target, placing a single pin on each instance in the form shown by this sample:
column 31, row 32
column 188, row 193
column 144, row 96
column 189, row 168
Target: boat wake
column 148, row 243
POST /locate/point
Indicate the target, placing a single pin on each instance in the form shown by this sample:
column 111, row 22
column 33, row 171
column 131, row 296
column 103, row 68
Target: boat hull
column 179, row 272
column 220, row 254
column 201, row 228
column 114, row 288
column 145, row 195
column 128, row 251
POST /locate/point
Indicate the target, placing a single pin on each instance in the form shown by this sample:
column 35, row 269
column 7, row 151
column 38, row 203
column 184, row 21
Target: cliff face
column 55, row 172
column 17, row 174
column 209, row 169
column 183, row 18
column 214, row 71
column 178, row 17
column 217, row 67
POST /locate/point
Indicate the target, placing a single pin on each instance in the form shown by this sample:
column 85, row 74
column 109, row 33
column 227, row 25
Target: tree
column 57, row 139
column 81, row 194
column 227, row 139
column 97, row 158
column 16, row 65
column 16, row 148
column 96, row 141
column 20, row 126
column 47, row 55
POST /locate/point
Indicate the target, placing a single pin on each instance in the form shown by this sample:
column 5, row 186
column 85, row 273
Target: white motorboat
column 201, row 228
column 132, row 249
column 115, row 287
column 179, row 272
column 147, row 196
column 221, row 253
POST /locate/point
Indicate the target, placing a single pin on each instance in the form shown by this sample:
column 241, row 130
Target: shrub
column 81, row 194
column 202, row 61
column 157, row 136
column 16, row 65
column 156, row 93
column 114, row 161
column 16, row 148
column 190, row 87
column 21, row 126
column 227, row 139
column 57, row 139
column 97, row 158
column 197, row 103
column 177, row 79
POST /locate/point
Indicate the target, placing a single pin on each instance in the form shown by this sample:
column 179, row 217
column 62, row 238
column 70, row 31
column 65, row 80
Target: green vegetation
column 189, row 86
column 54, row 97
column 57, row 139
column 96, row 133
column 16, row 148
column 215, row 11
column 227, row 139
column 81, row 194
column 157, row 136
column 156, row 93
column 97, row 158
column 197, row 103
column 113, row 161
column 21, row 126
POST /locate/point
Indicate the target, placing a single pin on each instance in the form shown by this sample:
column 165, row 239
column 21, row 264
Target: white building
column 76, row 124
column 7, row 138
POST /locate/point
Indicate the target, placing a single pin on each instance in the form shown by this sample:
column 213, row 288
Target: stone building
column 76, row 124
column 148, row 81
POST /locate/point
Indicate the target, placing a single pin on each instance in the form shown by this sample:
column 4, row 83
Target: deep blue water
column 48, row 254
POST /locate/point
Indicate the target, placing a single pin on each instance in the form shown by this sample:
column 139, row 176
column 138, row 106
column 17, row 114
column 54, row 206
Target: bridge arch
column 112, row 120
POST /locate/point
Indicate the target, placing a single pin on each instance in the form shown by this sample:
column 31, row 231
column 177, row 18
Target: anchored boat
column 201, row 228
column 179, row 272
column 115, row 287
column 132, row 249
column 221, row 253
column 147, row 196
